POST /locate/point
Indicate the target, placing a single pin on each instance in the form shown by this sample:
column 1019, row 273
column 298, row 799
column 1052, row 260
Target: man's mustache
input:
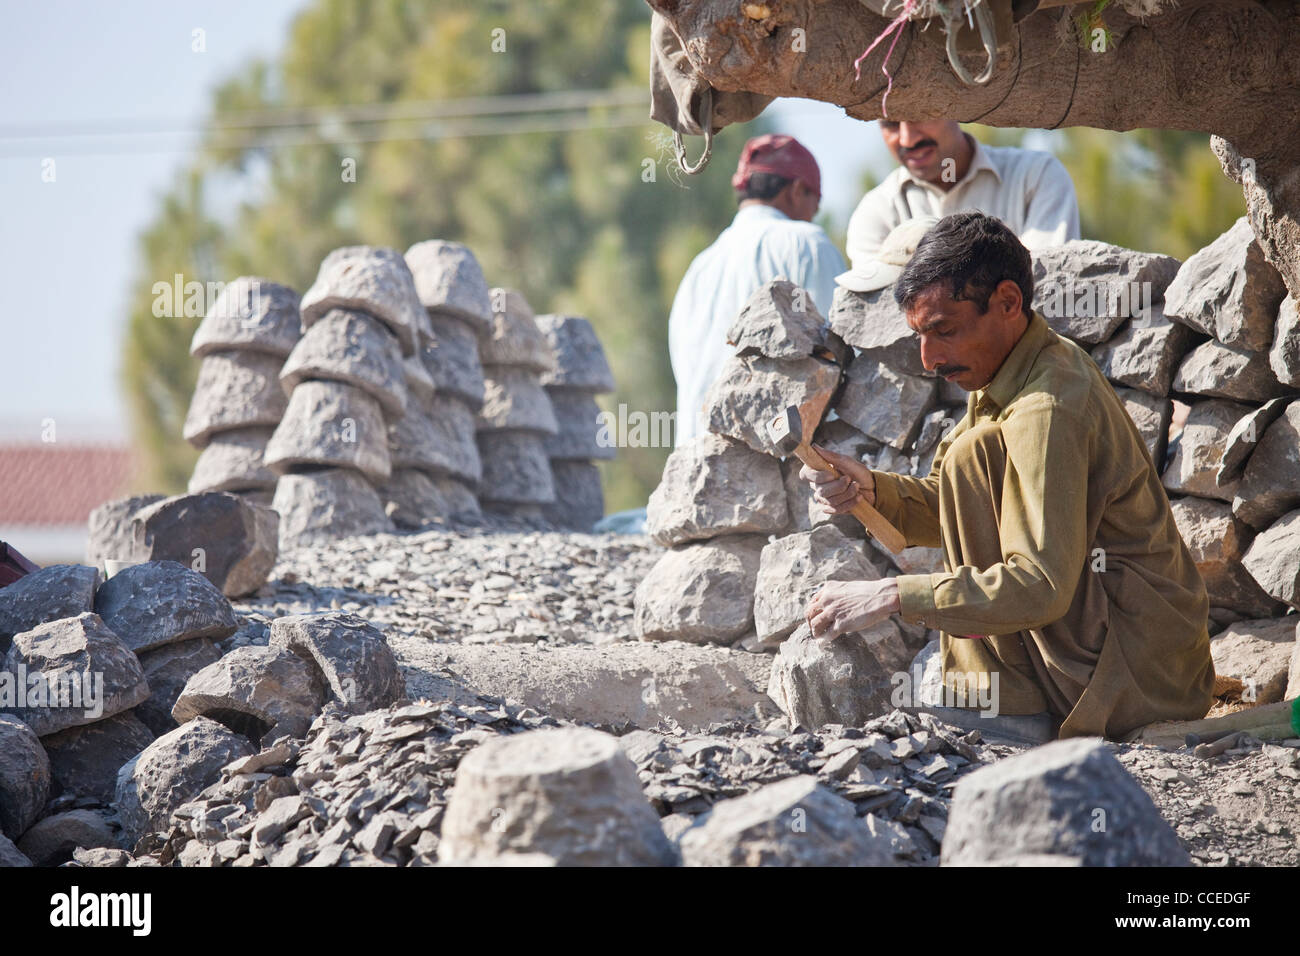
column 924, row 144
column 945, row 370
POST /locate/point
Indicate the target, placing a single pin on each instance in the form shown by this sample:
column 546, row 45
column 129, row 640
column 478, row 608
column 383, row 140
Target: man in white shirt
column 778, row 184
column 944, row 170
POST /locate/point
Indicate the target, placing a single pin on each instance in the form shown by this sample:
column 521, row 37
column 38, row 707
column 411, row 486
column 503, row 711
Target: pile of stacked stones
column 516, row 417
column 243, row 341
column 578, row 374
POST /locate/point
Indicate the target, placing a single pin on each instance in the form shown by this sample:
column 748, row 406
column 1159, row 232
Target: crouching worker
column 1066, row 585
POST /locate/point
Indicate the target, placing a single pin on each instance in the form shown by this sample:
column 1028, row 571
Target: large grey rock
column 47, row 594
column 411, row 499
column 261, row 692
column 579, row 434
column 167, row 670
column 1270, row 483
column 420, row 387
column 349, row 652
column 352, row 347
column 515, row 339
column 817, row 682
column 250, row 314
column 173, row 770
column 579, row 358
column 1069, row 798
column 714, row 485
column 10, row 855
column 161, row 602
column 570, row 793
column 1194, row 468
column 1222, row 371
column 233, row 462
column 516, row 470
column 450, row 448
column 1244, row 438
column 450, row 281
column 1284, row 357
column 780, row 321
column 331, row 424
column 372, row 280
column 1273, row 559
column 328, row 503
column 109, row 532
column 1217, row 543
column 77, row 672
column 796, row 822
column 514, row 399
column 226, row 538
column 579, row 498
column 1151, row 414
column 453, row 360
column 887, row 405
column 50, row 842
column 702, row 592
column 792, row 569
column 1085, row 289
column 1228, row 290
column 85, row 760
column 874, row 323
column 1145, row 355
column 24, row 777
column 462, row 500
column 1257, row 653
column 234, row 390
column 750, row 390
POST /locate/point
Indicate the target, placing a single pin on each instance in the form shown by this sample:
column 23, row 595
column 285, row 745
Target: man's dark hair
column 763, row 186
column 968, row 253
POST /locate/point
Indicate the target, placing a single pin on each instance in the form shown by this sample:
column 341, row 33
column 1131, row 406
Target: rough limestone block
column 1044, row 803
column 173, row 770
column 85, row 760
column 934, row 428
column 450, row 281
column 453, row 360
column 354, row 348
column 1284, row 357
column 581, row 435
column 318, row 506
column 51, row 841
column 262, row 692
column 372, row 280
column 1244, row 438
column 1085, row 289
column 515, row 340
column 411, row 499
column 1217, row 543
column 1222, row 371
column 420, row 387
column 226, row 538
column 109, row 528
column 462, row 500
column 516, row 470
column 713, row 485
column 579, row 358
column 1270, row 483
column 250, row 314
column 1273, row 559
column 331, row 424
column 234, row 390
column 888, row 406
column 451, row 449
column 874, row 323
column 795, row 822
column 47, row 594
column 569, row 793
column 817, row 682
column 162, row 602
column 233, row 462
column 1151, row 415
column 24, row 777
column 1145, row 355
column 1257, row 653
column 794, row 568
column 514, row 399
column 579, row 498
column 701, row 593
column 167, row 670
column 1194, row 468
column 349, row 652
column 750, row 390
column 780, row 321
column 1228, row 290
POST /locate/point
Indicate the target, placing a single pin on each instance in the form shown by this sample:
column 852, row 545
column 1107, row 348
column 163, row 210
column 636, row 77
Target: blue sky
column 68, row 247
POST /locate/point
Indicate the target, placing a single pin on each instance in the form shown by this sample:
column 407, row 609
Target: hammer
column 786, row 432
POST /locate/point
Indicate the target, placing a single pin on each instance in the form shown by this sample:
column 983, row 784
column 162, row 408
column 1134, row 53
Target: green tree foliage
column 565, row 216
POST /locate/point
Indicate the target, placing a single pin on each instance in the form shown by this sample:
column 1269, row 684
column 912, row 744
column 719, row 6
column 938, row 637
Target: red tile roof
column 60, row 484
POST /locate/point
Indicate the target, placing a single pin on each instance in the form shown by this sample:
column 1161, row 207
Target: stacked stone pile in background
column 579, row 372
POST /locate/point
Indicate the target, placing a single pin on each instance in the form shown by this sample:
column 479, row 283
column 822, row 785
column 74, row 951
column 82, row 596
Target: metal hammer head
column 786, row 431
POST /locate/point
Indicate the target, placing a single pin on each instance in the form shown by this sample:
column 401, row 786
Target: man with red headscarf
column 778, row 185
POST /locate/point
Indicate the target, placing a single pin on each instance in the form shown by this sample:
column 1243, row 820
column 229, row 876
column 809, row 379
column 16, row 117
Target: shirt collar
column 759, row 211
column 980, row 159
column 1011, row 376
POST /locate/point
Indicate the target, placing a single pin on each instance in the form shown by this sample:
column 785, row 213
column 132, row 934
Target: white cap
column 887, row 264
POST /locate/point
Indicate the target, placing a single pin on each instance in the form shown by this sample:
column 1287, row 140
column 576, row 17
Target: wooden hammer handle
column 871, row 519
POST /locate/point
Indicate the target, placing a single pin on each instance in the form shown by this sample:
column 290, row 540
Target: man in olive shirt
column 1066, row 584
